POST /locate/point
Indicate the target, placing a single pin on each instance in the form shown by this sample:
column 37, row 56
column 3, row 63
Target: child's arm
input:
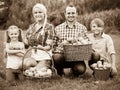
column 22, row 52
column 113, row 60
column 11, row 51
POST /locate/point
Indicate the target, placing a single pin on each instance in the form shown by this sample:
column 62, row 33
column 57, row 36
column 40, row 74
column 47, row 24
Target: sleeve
column 28, row 32
column 110, row 46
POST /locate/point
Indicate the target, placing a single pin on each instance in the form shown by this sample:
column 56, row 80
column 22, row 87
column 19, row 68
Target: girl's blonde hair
column 11, row 28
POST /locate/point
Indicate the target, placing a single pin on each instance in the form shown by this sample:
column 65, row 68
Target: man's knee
column 58, row 58
column 79, row 68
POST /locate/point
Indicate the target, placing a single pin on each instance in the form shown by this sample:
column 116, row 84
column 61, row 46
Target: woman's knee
column 29, row 62
column 79, row 68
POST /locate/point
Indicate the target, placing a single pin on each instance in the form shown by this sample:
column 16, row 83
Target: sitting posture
column 103, row 48
column 39, row 35
column 66, row 33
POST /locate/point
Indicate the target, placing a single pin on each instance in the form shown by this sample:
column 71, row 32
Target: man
column 69, row 30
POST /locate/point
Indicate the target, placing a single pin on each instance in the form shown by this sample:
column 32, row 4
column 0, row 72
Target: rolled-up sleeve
column 110, row 45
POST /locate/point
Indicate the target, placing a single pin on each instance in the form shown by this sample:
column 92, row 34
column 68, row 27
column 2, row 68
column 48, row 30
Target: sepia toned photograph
column 59, row 44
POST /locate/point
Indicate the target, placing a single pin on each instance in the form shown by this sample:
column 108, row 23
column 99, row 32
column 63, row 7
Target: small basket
column 102, row 74
column 77, row 52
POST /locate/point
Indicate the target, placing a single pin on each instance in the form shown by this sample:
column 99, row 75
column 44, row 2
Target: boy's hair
column 8, row 30
column 99, row 22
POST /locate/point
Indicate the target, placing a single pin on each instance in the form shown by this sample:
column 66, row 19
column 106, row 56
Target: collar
column 74, row 26
column 102, row 36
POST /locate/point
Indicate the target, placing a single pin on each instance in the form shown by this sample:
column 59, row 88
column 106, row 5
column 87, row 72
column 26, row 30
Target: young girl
column 102, row 45
column 15, row 51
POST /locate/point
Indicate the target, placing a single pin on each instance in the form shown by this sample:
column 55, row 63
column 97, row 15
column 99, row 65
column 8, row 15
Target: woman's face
column 96, row 29
column 38, row 15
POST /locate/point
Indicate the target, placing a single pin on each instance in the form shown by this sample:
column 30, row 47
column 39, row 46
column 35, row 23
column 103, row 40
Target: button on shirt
column 104, row 45
column 63, row 31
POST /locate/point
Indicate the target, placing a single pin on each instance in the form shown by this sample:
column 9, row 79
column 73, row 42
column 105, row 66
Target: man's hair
column 71, row 5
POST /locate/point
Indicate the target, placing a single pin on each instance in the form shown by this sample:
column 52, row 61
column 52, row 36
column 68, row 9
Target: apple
column 94, row 65
column 49, row 72
column 99, row 63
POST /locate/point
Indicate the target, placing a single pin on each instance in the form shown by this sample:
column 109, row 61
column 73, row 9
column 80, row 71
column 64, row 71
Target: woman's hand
column 40, row 47
column 48, row 47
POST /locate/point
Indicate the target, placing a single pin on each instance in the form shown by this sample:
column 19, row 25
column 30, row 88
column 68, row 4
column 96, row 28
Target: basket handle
column 40, row 49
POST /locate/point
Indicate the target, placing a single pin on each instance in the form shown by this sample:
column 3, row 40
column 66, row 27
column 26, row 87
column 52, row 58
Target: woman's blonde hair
column 11, row 28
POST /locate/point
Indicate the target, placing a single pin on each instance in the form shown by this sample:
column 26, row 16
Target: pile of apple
column 78, row 41
column 101, row 65
column 37, row 72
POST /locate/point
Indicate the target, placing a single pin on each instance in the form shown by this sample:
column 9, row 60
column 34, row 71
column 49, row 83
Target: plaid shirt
column 63, row 31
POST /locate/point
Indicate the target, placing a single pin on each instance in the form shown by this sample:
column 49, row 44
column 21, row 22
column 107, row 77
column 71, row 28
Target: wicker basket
column 102, row 74
column 77, row 52
column 28, row 54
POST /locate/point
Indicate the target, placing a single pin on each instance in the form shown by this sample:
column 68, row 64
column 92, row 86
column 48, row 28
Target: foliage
column 20, row 11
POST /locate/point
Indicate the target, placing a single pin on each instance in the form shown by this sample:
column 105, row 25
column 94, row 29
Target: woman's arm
column 48, row 47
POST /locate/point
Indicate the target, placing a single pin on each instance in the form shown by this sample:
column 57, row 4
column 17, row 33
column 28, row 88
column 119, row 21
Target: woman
column 40, row 35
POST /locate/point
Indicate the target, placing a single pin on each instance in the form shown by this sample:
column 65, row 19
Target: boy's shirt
column 104, row 46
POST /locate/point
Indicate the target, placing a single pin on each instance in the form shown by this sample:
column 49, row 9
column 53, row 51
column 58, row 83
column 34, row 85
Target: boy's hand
column 114, row 70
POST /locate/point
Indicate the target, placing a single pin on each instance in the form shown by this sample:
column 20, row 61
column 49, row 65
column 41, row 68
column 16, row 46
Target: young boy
column 102, row 45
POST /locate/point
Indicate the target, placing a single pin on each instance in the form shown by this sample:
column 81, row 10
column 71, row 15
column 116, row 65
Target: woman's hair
column 99, row 22
column 11, row 28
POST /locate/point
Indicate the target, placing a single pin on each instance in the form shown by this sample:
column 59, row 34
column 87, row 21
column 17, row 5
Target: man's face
column 70, row 14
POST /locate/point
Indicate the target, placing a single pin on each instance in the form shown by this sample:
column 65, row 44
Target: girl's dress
column 14, row 61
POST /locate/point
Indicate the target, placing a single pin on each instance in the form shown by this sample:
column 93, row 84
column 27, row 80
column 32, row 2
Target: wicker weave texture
column 77, row 52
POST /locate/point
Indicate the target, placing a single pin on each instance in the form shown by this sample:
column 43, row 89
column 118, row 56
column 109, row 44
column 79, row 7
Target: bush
column 20, row 11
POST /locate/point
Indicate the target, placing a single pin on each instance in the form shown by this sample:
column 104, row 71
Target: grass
column 84, row 82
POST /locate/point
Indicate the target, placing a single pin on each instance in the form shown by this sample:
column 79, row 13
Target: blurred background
column 19, row 12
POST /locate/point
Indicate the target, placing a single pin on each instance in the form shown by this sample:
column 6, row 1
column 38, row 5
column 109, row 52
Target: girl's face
column 96, row 29
column 13, row 34
column 38, row 15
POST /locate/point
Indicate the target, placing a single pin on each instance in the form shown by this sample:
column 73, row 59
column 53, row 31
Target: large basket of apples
column 37, row 71
column 101, row 70
column 77, row 50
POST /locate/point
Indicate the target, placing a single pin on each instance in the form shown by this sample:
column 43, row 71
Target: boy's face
column 70, row 14
column 38, row 14
column 96, row 29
